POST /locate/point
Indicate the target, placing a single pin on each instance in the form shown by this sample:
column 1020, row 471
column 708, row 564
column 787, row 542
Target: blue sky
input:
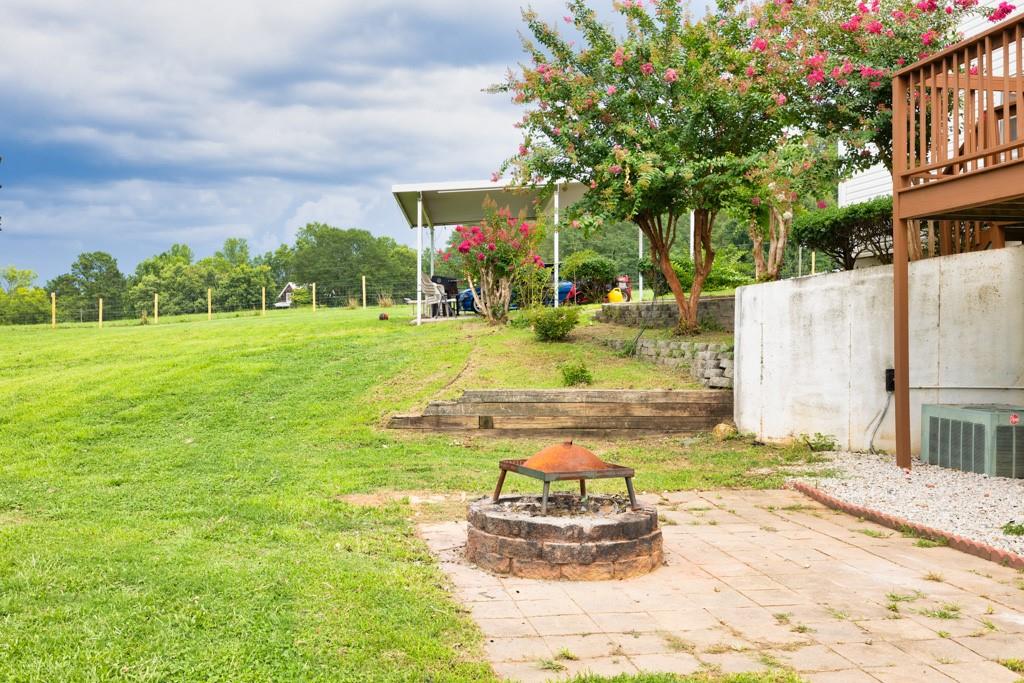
column 126, row 127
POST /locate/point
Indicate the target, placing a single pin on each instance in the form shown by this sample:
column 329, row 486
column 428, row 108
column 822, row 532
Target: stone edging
column 964, row 545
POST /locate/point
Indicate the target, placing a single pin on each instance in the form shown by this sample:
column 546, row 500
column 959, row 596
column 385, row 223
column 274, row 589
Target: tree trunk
column 703, row 260
column 754, row 230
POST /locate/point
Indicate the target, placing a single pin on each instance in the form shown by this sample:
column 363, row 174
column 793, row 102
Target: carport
column 433, row 205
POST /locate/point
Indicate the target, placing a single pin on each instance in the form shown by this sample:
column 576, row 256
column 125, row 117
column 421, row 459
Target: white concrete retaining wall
column 811, row 352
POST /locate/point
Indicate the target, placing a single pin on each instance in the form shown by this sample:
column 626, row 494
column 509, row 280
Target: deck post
column 640, row 257
column 900, row 277
column 557, row 188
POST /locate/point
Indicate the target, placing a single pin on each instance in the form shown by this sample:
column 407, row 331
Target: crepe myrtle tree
column 495, row 256
column 655, row 123
column 794, row 177
column 832, row 61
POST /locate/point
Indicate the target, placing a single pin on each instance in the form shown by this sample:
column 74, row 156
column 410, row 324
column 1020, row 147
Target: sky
column 129, row 126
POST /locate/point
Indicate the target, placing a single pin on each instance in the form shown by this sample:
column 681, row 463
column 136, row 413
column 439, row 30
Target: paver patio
column 757, row 579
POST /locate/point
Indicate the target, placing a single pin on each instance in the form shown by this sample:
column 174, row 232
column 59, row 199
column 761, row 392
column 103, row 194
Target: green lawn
column 173, row 498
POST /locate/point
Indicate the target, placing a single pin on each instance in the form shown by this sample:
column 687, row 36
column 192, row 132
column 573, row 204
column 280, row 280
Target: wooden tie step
column 567, row 412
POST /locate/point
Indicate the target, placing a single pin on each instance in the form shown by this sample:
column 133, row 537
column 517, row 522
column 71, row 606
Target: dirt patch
column 424, row 506
column 12, row 518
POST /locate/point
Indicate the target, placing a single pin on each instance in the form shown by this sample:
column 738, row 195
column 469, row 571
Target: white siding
column 877, row 181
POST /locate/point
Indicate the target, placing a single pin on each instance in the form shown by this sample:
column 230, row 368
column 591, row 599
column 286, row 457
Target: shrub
column 302, row 297
column 385, row 300
column 554, row 324
column 848, row 232
column 575, row 374
column 352, row 302
column 591, row 272
column 820, row 442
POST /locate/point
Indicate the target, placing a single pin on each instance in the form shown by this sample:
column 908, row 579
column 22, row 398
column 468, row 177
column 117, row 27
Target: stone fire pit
column 583, row 539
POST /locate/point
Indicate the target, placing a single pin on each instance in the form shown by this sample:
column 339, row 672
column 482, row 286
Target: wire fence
column 37, row 307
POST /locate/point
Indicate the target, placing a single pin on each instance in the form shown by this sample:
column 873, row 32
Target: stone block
column 536, row 569
column 597, row 571
column 519, row 548
column 720, row 382
column 571, row 553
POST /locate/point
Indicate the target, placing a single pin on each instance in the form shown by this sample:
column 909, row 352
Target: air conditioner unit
column 987, row 439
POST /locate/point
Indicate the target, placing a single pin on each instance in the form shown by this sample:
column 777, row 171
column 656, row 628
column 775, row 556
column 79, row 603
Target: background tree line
column 333, row 258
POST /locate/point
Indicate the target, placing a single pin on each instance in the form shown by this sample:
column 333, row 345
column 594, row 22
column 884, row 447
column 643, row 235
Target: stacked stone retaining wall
column 710, row 364
column 713, row 312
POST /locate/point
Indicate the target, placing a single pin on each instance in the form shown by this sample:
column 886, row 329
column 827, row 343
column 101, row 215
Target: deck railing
column 956, row 113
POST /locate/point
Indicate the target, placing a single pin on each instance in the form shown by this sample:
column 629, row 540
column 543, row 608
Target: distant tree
column 24, row 306
column 335, row 259
column 15, row 278
column 97, row 275
column 235, row 251
column 240, row 289
column 279, row 262
column 592, row 273
column 178, row 253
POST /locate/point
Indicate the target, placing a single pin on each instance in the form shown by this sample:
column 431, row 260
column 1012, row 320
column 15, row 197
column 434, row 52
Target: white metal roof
column 461, row 202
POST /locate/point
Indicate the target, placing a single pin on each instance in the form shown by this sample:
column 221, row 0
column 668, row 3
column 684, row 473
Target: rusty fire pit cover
column 565, row 457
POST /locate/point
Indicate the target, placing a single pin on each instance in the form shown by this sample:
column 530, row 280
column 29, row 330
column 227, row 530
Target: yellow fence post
column 101, row 312
column 314, row 297
column 53, row 309
column 263, row 300
column 156, row 308
column 209, row 303
column 814, row 262
column 364, row 291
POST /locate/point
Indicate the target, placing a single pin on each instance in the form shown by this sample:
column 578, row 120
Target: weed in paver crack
column 677, row 644
column 931, row 542
column 799, row 507
column 838, row 613
column 1014, row 665
column 990, row 610
column 665, row 521
column 770, row 661
column 802, row 628
column 566, row 655
column 934, row 576
column 904, row 597
column 782, row 617
column 617, row 651
column 550, row 665
column 874, row 533
column 947, row 611
column 989, row 628
column 769, row 529
column 942, row 634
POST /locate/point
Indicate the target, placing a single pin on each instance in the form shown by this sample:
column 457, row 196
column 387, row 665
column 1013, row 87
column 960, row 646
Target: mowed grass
column 172, row 497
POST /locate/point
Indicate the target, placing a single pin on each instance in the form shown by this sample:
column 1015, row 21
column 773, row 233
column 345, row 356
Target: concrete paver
column 775, row 581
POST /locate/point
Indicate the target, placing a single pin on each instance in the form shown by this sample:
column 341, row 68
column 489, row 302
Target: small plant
column 144, row 320
column 802, row 628
column 898, row 597
column 782, row 617
column 1014, row 665
column 550, row 665
column 931, row 542
column 352, row 302
column 873, row 533
column 820, row 442
column 934, row 576
column 566, row 655
column 385, row 300
column 576, row 374
column 665, row 521
column 1013, row 528
column 942, row 634
column 628, row 349
column 555, row 324
column 838, row 614
column 677, row 644
column 947, row 611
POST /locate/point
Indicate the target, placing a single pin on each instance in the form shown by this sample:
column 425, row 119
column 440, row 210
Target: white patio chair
column 433, row 295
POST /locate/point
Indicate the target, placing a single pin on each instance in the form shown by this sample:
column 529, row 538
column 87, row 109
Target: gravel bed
column 971, row 505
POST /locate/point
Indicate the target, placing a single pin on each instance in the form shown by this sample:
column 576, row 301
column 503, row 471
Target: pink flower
column 750, row 72
column 615, row 169
column 557, row 131
column 874, row 27
column 780, row 99
column 647, row 69
column 899, row 16
column 928, row 37
column 815, row 77
column 973, row 71
column 822, row 204
column 760, row 44
column 1004, row 10
column 523, row 150
column 465, row 247
column 752, row 22
column 515, row 244
column 567, row 19
column 671, row 76
column 612, row 90
column 756, row 201
column 480, row 256
column 475, row 230
column 495, row 177
column 491, row 247
column 619, row 57
column 447, row 257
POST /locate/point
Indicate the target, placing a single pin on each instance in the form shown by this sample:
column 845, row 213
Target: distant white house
column 284, row 299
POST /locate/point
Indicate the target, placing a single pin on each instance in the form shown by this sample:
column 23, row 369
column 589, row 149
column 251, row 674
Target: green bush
column 555, row 324
column 591, row 272
column 844, row 233
column 728, row 272
column 576, row 374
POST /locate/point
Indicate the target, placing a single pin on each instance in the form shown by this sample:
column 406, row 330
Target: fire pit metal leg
column 501, row 482
column 544, row 500
column 583, row 488
column 632, row 493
